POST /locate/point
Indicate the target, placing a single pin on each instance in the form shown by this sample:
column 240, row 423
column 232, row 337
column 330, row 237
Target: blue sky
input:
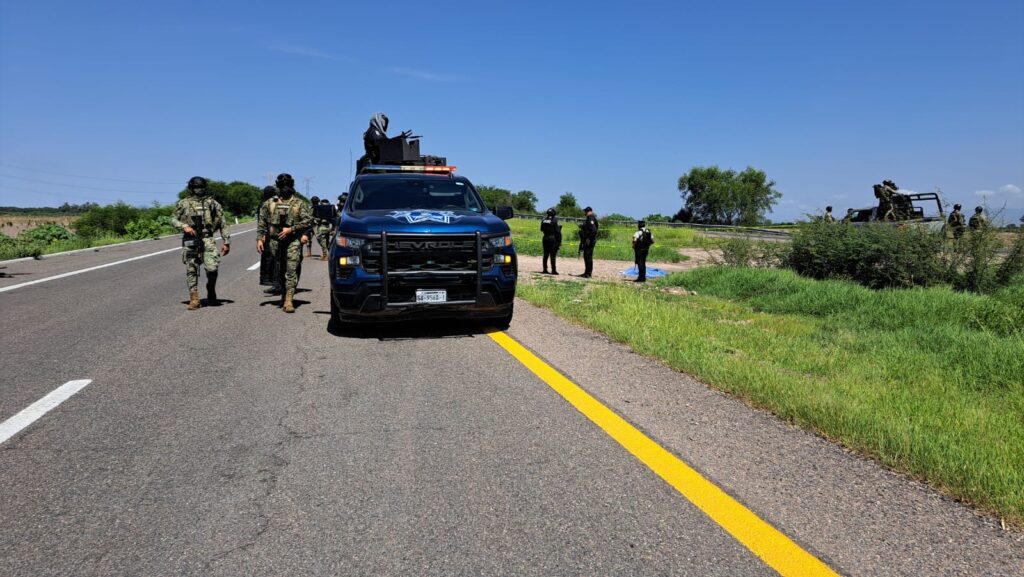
column 610, row 101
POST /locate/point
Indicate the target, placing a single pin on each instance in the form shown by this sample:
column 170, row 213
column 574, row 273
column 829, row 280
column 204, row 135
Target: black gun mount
column 401, row 150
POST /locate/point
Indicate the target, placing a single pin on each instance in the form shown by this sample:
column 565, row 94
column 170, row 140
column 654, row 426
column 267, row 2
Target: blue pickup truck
column 418, row 242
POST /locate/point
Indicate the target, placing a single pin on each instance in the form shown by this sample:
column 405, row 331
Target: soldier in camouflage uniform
column 311, row 233
column 322, row 228
column 281, row 222
column 956, row 222
column 977, row 220
column 198, row 216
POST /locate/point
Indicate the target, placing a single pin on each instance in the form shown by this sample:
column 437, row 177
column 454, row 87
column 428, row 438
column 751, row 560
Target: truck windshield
column 414, row 194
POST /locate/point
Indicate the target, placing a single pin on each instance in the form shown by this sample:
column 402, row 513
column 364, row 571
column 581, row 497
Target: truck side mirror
column 503, row 212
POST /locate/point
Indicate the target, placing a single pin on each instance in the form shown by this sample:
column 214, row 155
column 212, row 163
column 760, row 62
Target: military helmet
column 551, row 212
column 314, row 200
column 641, row 223
column 269, row 192
column 324, row 201
column 196, row 182
column 978, row 209
column 285, row 178
column 828, row 209
column 956, row 207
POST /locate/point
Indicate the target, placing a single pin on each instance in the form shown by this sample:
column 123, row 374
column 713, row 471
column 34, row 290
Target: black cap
column 588, row 209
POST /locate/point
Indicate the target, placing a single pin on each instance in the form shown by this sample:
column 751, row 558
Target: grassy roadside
column 15, row 250
column 929, row 382
column 618, row 245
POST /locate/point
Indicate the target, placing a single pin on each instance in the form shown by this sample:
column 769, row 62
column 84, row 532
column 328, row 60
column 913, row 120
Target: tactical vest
column 205, row 208
column 284, row 213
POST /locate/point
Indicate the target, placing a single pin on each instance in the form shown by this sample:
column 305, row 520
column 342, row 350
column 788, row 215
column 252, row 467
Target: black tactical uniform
column 642, row 241
column 588, row 238
column 552, row 233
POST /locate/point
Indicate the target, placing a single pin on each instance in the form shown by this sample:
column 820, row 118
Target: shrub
column 876, row 255
column 102, row 220
column 143, row 228
column 45, row 234
column 744, row 252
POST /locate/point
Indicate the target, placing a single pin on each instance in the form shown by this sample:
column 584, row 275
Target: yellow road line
column 774, row 548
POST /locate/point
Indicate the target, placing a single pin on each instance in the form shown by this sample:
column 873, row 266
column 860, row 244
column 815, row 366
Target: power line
column 83, row 176
column 103, row 189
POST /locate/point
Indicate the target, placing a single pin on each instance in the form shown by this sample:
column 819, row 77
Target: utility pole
column 270, row 178
column 307, row 179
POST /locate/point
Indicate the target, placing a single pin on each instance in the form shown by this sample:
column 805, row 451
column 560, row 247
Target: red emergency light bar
column 408, row 168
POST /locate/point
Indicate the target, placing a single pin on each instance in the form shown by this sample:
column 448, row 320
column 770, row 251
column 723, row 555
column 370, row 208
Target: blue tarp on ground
column 652, row 272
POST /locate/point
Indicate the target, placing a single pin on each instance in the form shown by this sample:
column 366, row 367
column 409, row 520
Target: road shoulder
column 848, row 510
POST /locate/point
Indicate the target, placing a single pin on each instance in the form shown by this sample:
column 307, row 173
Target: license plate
column 423, row 296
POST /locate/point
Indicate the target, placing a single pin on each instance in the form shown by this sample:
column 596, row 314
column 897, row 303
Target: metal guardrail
column 693, row 225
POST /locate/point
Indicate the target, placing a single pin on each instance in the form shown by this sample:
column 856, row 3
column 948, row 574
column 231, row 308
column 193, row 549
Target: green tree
column 494, row 196
column 524, row 201
column 715, row 196
column 568, row 206
column 617, row 216
column 657, row 218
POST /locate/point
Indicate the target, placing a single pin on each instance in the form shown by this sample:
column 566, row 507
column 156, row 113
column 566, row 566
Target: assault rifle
column 195, row 244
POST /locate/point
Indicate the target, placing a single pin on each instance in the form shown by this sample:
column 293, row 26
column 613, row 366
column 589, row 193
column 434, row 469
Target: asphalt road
column 239, row 440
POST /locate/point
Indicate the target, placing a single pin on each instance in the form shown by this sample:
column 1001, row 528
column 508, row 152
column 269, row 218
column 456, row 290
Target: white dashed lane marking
column 31, row 413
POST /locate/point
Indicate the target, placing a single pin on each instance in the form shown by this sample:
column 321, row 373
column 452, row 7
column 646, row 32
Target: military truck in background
column 916, row 208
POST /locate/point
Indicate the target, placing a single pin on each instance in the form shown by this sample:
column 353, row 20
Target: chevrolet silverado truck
column 418, row 242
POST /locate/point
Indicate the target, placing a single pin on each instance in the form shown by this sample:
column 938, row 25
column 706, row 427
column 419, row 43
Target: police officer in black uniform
column 552, row 232
column 588, row 238
column 642, row 241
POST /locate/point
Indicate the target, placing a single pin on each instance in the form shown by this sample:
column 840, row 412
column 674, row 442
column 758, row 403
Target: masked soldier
column 199, row 216
column 956, row 222
column 552, row 239
column 323, row 231
column 280, row 226
column 885, row 208
column 642, row 241
column 977, row 220
column 313, row 201
column 268, row 270
column 828, row 214
column 588, row 238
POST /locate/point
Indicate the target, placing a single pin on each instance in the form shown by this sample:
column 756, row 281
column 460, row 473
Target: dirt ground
column 610, row 270
column 12, row 224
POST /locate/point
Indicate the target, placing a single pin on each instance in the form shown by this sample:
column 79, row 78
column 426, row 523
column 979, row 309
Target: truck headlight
column 351, row 242
column 501, row 241
column 503, row 259
column 348, row 260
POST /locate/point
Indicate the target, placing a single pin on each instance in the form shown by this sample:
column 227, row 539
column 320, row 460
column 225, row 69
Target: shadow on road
column 409, row 330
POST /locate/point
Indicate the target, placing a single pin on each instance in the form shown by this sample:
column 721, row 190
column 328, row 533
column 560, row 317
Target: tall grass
column 929, row 381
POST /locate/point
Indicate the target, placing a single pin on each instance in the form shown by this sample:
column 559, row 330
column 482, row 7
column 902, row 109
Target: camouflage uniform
column 322, row 230
column 977, row 220
column 956, row 223
column 296, row 214
column 185, row 214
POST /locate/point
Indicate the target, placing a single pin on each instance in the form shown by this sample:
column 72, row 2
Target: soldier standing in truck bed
column 199, row 217
column 283, row 221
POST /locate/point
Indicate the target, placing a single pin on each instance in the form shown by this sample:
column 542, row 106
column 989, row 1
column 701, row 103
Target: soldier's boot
column 324, row 256
column 289, row 306
column 211, row 289
column 193, row 299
